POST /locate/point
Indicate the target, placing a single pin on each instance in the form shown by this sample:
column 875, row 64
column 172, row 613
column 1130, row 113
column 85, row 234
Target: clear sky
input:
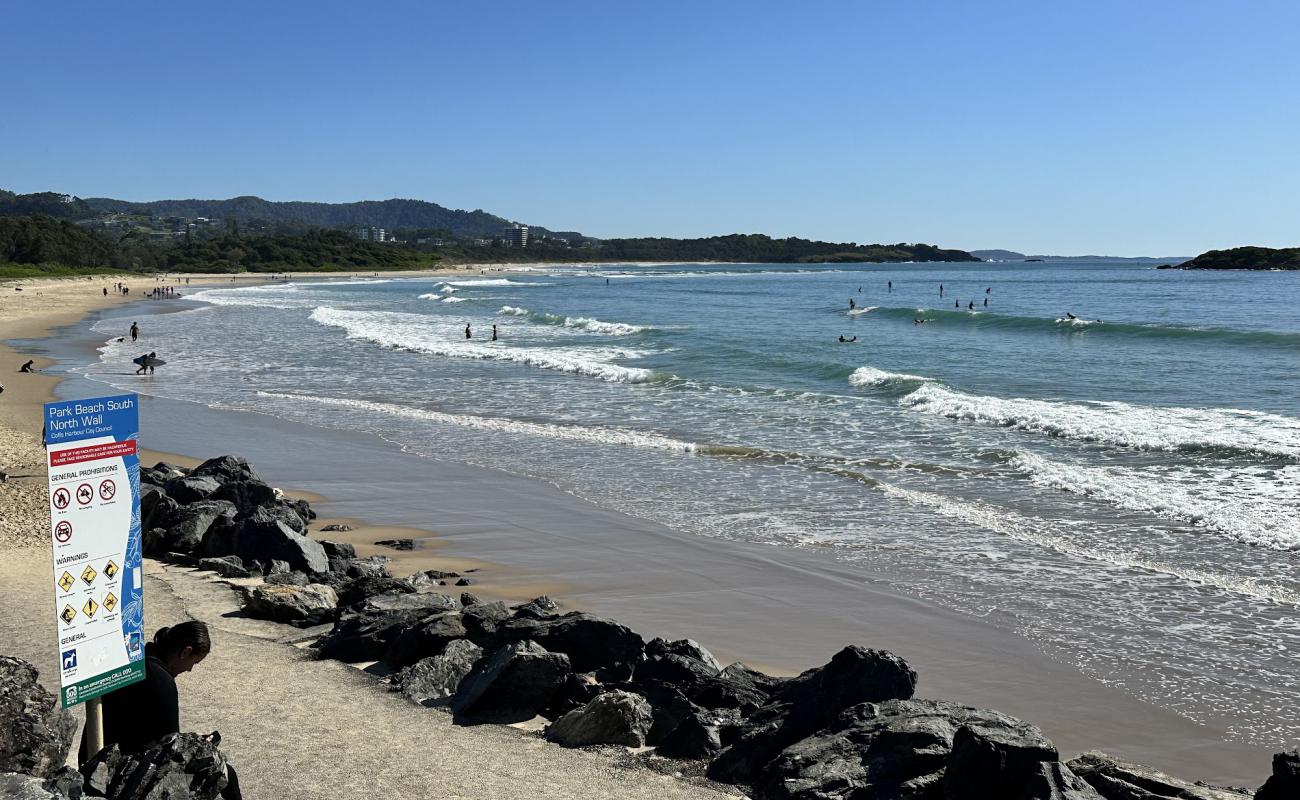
column 1139, row 127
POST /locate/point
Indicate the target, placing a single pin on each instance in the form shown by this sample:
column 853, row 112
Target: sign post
column 94, row 474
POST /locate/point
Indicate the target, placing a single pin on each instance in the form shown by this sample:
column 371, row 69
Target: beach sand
column 776, row 609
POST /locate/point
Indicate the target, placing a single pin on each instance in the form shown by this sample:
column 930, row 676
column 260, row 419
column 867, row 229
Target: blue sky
column 1145, row 127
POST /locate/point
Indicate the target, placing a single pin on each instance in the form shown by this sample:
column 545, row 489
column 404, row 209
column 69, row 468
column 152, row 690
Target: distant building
column 370, row 234
column 515, row 236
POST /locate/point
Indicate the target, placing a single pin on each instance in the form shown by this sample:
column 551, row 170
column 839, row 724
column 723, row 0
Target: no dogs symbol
column 63, row 531
column 85, row 494
column 107, row 489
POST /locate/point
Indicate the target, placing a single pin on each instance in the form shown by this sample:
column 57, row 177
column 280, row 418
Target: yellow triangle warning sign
column 66, row 580
column 68, row 615
column 110, row 569
column 110, row 602
column 89, row 574
column 90, row 607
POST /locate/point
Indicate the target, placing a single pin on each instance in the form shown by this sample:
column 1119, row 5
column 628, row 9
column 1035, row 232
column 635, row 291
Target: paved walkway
column 299, row 728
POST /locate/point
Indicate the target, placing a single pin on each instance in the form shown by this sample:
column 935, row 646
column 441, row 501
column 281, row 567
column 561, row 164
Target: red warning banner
column 75, row 455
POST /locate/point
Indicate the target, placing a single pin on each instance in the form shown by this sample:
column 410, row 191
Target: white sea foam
column 1249, row 508
column 514, row 311
column 580, row 323
column 450, row 299
column 1042, row 533
column 1076, row 322
column 418, row 333
column 859, row 311
column 870, row 376
column 1121, row 424
column 576, row 433
column 282, row 297
column 492, row 282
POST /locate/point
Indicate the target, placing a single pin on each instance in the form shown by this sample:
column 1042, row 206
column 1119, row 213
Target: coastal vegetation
column 1259, row 258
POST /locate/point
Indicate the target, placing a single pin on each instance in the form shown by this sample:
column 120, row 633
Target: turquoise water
column 1121, row 488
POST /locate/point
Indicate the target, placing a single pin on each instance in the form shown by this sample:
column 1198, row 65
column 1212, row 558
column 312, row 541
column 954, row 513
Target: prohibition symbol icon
column 63, row 531
column 85, row 494
column 62, row 497
column 107, row 489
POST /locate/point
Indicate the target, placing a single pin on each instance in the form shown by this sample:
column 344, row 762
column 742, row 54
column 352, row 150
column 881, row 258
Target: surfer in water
column 970, row 306
column 986, row 302
column 135, row 331
column 1068, row 315
column 919, row 321
column 988, row 290
column 468, row 332
column 494, row 333
column 852, row 305
column 941, row 290
column 890, row 285
column 956, row 304
column 847, row 341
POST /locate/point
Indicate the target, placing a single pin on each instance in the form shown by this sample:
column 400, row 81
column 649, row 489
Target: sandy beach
column 782, row 611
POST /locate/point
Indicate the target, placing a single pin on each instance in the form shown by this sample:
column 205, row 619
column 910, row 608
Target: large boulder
column 481, row 621
column 155, row 505
column 162, row 472
column 365, row 637
column 338, row 549
column 615, row 717
column 227, row 468
column 699, row 733
column 35, row 731
column 1121, row 780
column 439, row 676
column 686, row 648
column 370, row 567
column 592, row 643
column 14, row 786
column 514, row 684
column 426, row 638
column 226, row 566
column 180, row 766
column 1284, row 783
column 250, row 495
column 187, row 526
column 537, row 608
column 261, row 537
column 905, row 748
column 356, row 591
column 428, row 602
column 304, row 606
column 804, row 704
column 192, row 488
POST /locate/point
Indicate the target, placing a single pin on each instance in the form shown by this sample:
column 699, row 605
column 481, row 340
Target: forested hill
column 1245, row 258
column 390, row 214
column 757, row 248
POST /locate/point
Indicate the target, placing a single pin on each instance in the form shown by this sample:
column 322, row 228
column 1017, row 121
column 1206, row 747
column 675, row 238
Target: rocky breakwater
column 36, row 736
column 851, row 728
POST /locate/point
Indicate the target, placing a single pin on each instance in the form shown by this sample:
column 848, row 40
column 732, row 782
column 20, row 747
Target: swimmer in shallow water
column 847, row 341
column 919, row 321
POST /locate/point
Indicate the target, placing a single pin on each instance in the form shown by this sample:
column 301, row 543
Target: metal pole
column 94, row 726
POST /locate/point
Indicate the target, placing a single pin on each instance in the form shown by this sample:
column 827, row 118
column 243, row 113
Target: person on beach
column 144, row 712
column 135, row 331
column 30, row 366
column 106, row 291
column 468, row 332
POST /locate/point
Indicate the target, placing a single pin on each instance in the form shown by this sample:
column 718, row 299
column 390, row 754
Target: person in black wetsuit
column 136, row 715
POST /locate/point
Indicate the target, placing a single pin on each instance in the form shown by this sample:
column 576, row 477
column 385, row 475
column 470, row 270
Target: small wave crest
column 413, row 332
column 580, row 323
column 470, row 284
column 870, row 376
column 1235, row 431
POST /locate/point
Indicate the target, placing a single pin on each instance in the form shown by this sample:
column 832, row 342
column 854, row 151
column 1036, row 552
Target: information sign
column 95, row 533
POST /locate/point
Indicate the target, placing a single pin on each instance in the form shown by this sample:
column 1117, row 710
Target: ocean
column 1105, row 458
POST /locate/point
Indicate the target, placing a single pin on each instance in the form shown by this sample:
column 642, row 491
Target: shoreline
column 737, row 600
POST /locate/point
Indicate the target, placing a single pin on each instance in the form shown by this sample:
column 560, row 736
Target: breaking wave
column 870, row 376
column 581, row 323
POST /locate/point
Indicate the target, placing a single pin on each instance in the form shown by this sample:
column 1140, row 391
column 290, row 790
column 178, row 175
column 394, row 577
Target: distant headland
column 1256, row 258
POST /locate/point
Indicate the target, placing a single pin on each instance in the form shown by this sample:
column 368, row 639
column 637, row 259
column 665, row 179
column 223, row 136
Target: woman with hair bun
column 148, row 710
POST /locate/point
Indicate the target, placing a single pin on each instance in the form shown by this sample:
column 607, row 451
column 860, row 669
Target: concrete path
column 299, row 728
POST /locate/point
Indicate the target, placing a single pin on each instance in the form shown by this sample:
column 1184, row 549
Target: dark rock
column 226, row 566
column 248, row 496
column 615, row 717
column 335, row 526
column 357, row 590
column 592, row 643
column 162, row 472
column 426, row 638
column 153, row 505
column 515, row 683
column 421, row 580
column 184, row 559
column 14, row 786
column 35, row 732
column 338, row 549
column 331, row 579
column 686, row 648
column 701, row 683
column 371, row 567
column 1003, row 757
column 700, row 734
column 802, row 705
column 303, row 508
column 365, row 637
column 261, row 537
column 481, row 621
column 429, row 603
column 180, row 766
column 1284, row 783
column 303, row 606
column 1121, row 780
column 65, row 783
column 465, row 582
column 397, row 544
column 575, row 692
column 268, row 512
column 293, row 578
column 227, row 468
column 186, row 527
column 436, row 677
column 467, row 599
column 752, row 678
column 538, row 608
column 276, row 567
column 192, row 488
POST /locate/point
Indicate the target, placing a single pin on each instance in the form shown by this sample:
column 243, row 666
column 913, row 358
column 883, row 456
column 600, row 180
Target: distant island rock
column 1256, row 258
column 998, row 255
